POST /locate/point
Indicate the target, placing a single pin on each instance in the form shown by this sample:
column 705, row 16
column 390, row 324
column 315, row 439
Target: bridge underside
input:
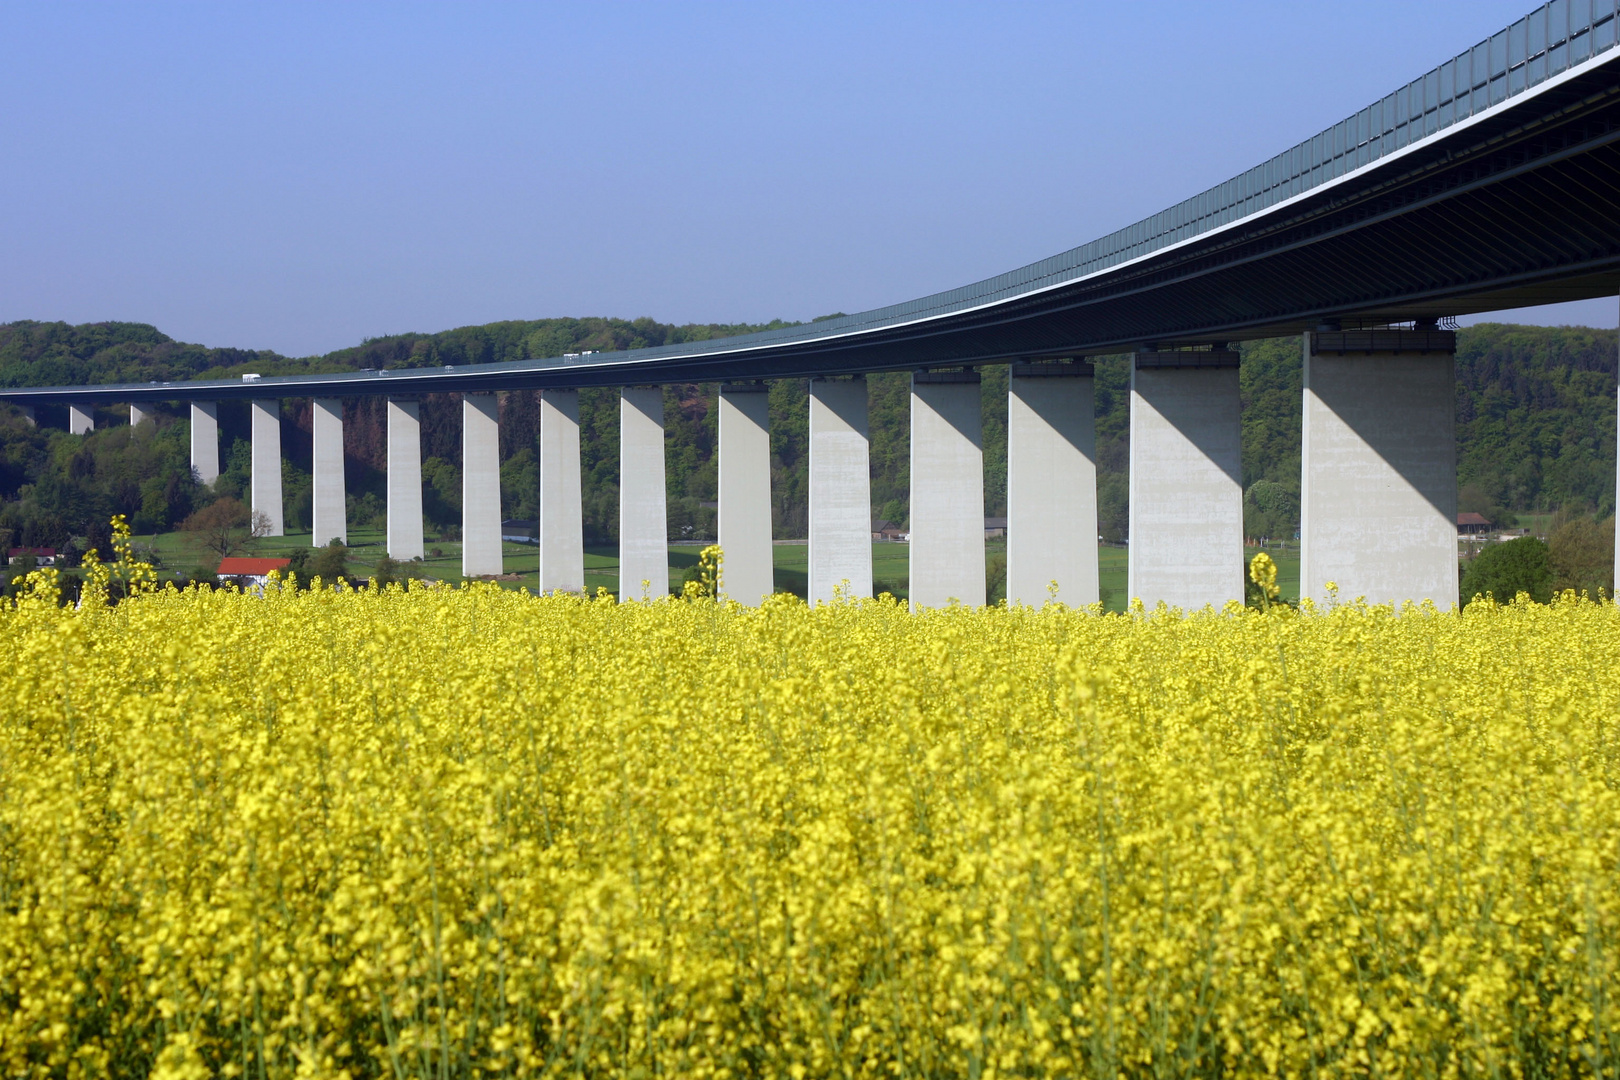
column 1523, row 215
column 1508, row 213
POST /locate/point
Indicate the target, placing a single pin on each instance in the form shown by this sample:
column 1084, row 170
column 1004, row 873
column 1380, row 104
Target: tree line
column 1535, row 431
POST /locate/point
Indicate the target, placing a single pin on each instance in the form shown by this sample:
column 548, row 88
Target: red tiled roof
column 35, row 551
column 238, row 565
column 1472, row 518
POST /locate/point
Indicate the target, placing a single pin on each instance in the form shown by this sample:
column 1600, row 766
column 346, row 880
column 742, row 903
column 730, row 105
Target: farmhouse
column 1472, row 524
column 42, row 556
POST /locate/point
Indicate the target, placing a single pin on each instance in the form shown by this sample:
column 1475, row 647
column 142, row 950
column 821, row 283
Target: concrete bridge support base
column 139, row 414
column 405, row 479
column 1186, row 525
column 947, row 490
column 80, row 420
column 748, row 574
column 480, row 486
column 1378, row 494
column 28, row 415
column 205, row 441
column 643, row 520
column 1051, row 485
column 331, row 497
column 562, row 528
column 265, row 415
column 840, row 490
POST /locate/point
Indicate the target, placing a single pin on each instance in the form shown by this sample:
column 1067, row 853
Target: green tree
column 386, row 571
column 995, row 577
column 1582, row 556
column 236, row 479
column 1271, row 509
column 441, row 493
column 330, row 564
column 1502, row 571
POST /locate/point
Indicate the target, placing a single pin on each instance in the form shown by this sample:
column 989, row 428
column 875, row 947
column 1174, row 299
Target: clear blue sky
column 301, row 176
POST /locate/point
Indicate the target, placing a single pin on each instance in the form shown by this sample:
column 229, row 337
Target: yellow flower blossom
column 431, row 831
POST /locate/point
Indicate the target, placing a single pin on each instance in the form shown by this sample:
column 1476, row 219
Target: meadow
column 465, row 831
column 891, row 569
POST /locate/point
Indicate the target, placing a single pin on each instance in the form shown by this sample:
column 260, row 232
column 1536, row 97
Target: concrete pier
column 562, row 527
column 947, row 490
column 331, row 497
column 1378, row 492
column 480, row 485
column 840, row 490
column 28, row 415
column 80, row 420
column 205, row 441
column 265, row 414
column 643, row 517
column 1051, row 484
column 405, row 479
column 1186, row 526
column 139, row 414
column 748, row 573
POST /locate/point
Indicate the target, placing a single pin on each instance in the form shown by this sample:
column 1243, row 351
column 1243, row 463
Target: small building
column 1472, row 524
column 995, row 528
column 520, row 532
column 249, row 572
column 41, row 556
column 886, row 530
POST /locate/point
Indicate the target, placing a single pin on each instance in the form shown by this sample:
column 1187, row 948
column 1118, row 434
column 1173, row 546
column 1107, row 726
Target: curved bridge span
column 1491, row 182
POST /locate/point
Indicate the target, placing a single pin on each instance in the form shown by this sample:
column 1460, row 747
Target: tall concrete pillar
column 562, row 530
column 139, row 414
column 1378, row 491
column 643, row 518
column 331, row 498
column 28, row 415
column 1186, row 541
column 205, row 441
column 748, row 572
column 266, row 481
column 80, row 420
column 840, row 489
column 1051, row 484
column 405, row 479
column 947, row 489
column 480, row 486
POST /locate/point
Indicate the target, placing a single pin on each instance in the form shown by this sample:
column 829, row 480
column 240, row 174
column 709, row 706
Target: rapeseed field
column 455, row 832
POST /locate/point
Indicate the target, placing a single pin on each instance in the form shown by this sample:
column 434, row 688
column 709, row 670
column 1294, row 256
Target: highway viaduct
column 1490, row 182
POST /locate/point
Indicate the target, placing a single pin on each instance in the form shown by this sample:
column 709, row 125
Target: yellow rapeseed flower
column 419, row 830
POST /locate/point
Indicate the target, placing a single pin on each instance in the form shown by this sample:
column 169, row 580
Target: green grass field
column 178, row 553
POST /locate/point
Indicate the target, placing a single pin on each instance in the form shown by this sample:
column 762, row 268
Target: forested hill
column 59, row 354
column 1535, row 410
